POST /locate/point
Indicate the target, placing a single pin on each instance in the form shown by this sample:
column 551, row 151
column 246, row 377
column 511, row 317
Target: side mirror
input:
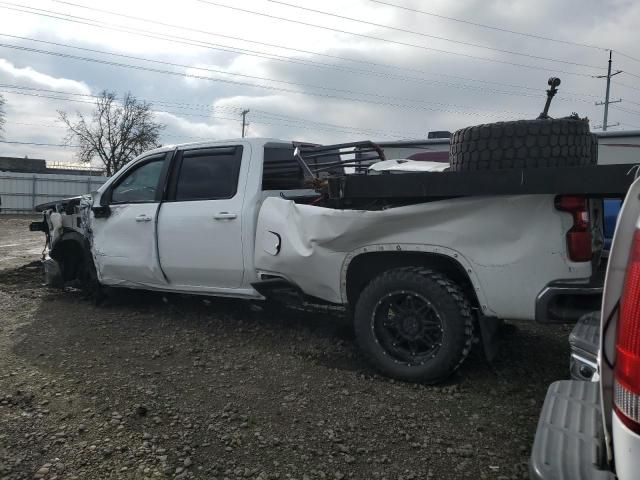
column 103, row 211
column 104, row 198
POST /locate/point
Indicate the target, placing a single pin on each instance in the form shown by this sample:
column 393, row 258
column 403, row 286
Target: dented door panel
column 124, row 246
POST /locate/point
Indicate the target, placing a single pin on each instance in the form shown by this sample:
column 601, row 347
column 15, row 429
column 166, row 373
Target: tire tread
column 561, row 142
column 448, row 288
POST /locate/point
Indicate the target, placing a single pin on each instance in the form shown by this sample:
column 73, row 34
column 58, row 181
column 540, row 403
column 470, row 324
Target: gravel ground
column 162, row 386
column 17, row 244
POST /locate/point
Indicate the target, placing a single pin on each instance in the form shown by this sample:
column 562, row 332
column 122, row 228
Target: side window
column 281, row 171
column 139, row 184
column 208, row 174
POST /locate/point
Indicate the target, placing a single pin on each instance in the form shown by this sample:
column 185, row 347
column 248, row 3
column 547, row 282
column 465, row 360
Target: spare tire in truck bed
column 543, row 143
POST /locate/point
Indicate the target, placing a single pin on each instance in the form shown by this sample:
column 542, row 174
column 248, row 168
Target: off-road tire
column 447, row 299
column 560, row 142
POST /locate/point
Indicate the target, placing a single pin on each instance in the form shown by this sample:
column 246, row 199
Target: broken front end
column 67, row 253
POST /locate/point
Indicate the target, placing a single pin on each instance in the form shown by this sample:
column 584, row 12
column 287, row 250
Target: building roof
column 38, row 165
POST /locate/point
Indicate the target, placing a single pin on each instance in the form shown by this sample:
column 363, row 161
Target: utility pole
column 244, row 121
column 606, row 100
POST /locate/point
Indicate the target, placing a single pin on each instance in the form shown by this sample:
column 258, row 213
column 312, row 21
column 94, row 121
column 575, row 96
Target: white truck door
column 124, row 242
column 200, row 222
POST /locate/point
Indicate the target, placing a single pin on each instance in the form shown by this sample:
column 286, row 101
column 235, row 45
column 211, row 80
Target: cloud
column 354, row 88
column 29, row 76
column 183, row 130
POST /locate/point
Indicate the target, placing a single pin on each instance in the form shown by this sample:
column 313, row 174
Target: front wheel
column 414, row 324
column 88, row 278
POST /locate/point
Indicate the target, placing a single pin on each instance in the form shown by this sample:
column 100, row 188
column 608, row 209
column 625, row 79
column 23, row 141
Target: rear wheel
column 414, row 324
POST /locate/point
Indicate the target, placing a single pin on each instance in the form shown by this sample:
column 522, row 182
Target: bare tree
column 2, row 115
column 116, row 133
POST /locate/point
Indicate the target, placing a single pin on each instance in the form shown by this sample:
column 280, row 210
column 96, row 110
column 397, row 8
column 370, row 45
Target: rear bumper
column 566, row 302
column 569, row 442
column 626, row 450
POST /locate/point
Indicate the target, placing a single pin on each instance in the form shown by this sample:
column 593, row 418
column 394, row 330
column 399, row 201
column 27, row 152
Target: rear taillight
column 627, row 369
column 579, row 236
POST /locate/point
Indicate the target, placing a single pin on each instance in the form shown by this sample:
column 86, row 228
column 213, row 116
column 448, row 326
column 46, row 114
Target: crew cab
column 421, row 276
column 591, row 429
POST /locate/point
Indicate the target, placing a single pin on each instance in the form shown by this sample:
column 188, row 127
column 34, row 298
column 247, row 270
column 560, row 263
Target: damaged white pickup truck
column 420, row 265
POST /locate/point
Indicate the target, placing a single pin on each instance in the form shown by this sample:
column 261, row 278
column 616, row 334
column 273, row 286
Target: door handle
column 225, row 216
column 143, row 218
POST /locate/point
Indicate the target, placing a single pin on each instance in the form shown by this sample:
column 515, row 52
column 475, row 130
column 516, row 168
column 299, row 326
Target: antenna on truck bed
column 554, row 83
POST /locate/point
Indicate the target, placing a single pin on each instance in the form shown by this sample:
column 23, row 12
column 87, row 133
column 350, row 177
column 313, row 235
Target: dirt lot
column 153, row 386
column 17, row 244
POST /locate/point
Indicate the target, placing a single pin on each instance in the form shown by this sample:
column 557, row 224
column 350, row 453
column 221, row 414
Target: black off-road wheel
column 414, row 324
column 545, row 143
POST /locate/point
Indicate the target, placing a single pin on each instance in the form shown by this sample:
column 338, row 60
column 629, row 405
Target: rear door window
column 281, row 171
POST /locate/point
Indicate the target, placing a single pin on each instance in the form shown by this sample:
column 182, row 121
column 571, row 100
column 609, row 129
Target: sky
column 326, row 72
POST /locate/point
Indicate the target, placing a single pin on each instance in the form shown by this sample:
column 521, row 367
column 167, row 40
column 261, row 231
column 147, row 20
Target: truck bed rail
column 596, row 181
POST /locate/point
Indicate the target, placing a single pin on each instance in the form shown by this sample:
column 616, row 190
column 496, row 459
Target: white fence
column 20, row 192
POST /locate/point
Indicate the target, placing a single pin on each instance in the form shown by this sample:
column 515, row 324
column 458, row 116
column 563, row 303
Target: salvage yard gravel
column 152, row 386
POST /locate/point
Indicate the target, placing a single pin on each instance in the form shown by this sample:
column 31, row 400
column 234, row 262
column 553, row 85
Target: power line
column 271, row 56
column 396, row 42
column 179, row 105
column 60, row 127
column 268, row 87
column 179, row 65
column 47, row 96
column 632, row 112
column 321, row 124
column 222, row 72
column 626, row 72
column 37, row 125
column 210, row 108
column 284, row 123
column 291, row 123
column 308, row 52
column 217, row 117
column 490, row 27
column 636, row 59
column 625, row 85
column 437, row 37
column 40, row 144
column 213, row 46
